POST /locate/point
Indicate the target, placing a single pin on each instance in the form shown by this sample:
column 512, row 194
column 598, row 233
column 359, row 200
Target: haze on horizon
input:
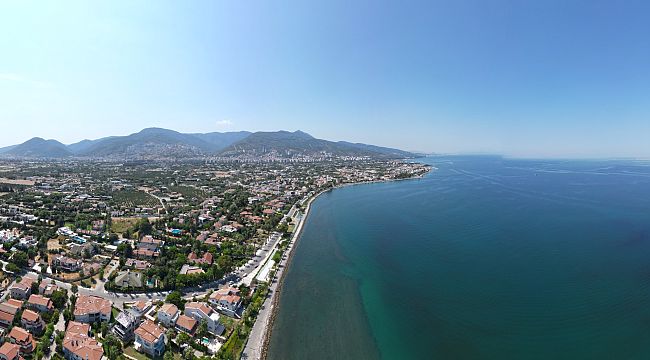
column 534, row 79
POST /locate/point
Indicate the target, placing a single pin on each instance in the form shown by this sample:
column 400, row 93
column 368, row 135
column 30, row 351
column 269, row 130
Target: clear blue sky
column 524, row 78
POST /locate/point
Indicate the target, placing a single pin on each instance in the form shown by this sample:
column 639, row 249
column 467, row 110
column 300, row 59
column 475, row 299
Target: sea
column 483, row 258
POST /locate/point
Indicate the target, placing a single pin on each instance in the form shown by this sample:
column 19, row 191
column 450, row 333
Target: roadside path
column 255, row 346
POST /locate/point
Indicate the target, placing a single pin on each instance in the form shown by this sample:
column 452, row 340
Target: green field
column 120, row 225
column 188, row 192
column 133, row 198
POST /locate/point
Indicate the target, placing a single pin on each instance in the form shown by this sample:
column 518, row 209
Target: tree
column 34, row 288
column 125, row 249
column 112, row 347
column 188, row 353
column 168, row 356
column 20, row 258
column 59, row 298
column 176, row 298
column 144, row 227
column 183, row 338
column 203, row 328
column 11, row 267
column 67, row 315
column 74, row 287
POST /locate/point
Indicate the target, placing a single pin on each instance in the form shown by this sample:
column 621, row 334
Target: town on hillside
column 151, row 259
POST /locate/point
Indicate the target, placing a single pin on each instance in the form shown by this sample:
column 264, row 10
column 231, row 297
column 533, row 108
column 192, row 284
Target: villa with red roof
column 40, row 303
column 32, row 322
column 89, row 309
column 150, row 339
column 9, row 351
column 78, row 345
column 22, row 338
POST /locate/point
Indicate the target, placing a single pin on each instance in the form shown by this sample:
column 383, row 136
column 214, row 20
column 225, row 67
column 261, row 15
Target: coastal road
column 255, row 345
column 256, row 340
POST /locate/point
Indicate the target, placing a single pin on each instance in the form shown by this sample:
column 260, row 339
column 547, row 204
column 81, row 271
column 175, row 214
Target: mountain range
column 154, row 143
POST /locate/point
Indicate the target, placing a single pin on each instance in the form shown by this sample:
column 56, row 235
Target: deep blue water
column 484, row 258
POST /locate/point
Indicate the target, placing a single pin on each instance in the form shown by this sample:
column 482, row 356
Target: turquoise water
column 484, row 258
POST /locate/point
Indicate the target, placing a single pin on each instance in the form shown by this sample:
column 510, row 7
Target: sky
column 519, row 78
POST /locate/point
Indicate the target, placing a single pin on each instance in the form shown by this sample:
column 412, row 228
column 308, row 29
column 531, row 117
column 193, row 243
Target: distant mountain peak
column 38, row 147
column 155, row 142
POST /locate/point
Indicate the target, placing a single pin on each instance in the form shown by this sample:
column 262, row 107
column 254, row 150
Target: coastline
column 275, row 296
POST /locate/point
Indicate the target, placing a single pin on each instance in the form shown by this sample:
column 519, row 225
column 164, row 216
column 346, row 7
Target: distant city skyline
column 526, row 79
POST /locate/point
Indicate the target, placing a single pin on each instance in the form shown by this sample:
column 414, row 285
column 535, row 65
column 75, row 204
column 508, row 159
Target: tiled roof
column 75, row 327
column 79, row 343
column 19, row 334
column 203, row 307
column 186, row 322
column 7, row 317
column 39, row 300
column 9, row 350
column 149, row 332
column 29, row 315
column 92, row 305
column 169, row 309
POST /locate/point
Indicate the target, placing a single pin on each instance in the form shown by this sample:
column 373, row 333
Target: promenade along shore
column 260, row 335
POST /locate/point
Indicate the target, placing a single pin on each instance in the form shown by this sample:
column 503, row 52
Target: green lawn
column 115, row 312
column 131, row 352
column 134, row 198
column 120, row 225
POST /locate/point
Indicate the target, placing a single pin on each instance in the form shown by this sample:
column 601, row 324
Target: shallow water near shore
column 484, row 258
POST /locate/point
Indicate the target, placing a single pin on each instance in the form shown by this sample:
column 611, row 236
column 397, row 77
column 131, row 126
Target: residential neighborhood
column 151, row 260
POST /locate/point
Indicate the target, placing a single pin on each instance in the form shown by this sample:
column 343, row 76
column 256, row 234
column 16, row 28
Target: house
column 85, row 249
column 65, row 231
column 150, row 339
column 168, row 314
column 149, row 243
column 128, row 279
column 125, row 325
column 8, row 310
column 145, row 253
column 89, row 309
column 186, row 324
column 6, row 319
column 214, row 241
column 137, row 264
column 98, row 225
column 21, row 290
column 190, row 270
column 40, row 303
column 227, row 301
column 201, row 311
column 9, row 351
column 27, row 242
column 140, row 308
column 46, row 287
column 22, row 338
column 32, row 322
column 66, row 264
column 78, row 345
column 206, row 259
